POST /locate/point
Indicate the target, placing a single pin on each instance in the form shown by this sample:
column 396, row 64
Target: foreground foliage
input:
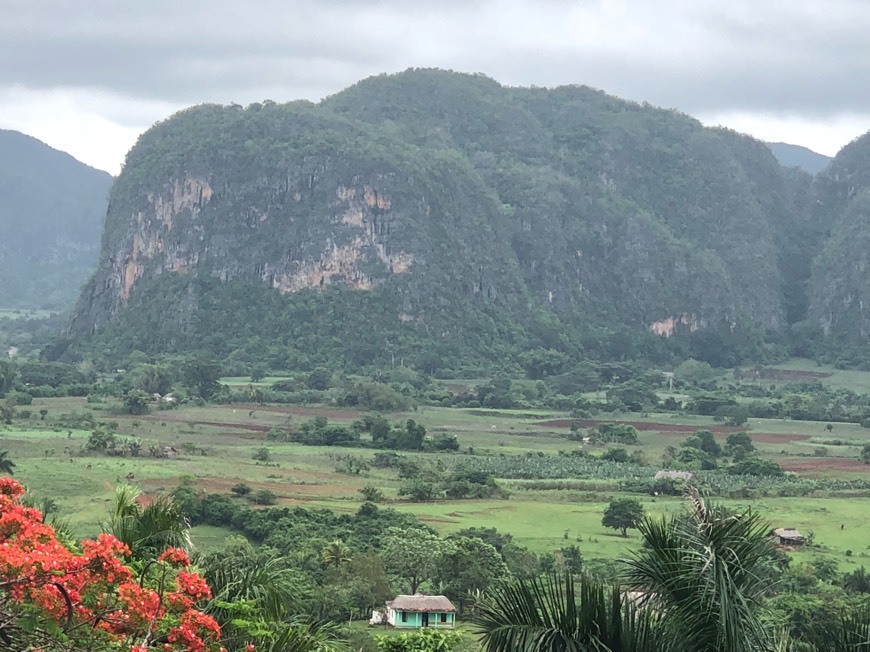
column 56, row 598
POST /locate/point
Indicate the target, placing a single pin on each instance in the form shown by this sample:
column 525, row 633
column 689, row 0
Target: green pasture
column 216, row 445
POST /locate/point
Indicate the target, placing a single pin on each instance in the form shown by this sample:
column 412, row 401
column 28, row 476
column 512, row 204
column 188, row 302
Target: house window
column 443, row 617
column 404, row 616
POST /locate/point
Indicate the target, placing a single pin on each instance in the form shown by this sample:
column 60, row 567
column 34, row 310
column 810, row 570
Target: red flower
column 96, row 588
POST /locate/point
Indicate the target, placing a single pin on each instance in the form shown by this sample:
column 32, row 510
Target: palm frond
column 706, row 575
column 148, row 530
column 851, row 633
column 557, row 614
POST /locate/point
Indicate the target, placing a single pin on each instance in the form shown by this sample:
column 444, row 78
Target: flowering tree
column 53, row 598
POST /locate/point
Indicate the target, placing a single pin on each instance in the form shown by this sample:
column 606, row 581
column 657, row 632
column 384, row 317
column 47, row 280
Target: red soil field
column 823, row 465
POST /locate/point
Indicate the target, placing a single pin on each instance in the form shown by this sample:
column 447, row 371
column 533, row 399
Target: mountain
column 840, row 292
column 446, row 219
column 51, row 216
column 795, row 156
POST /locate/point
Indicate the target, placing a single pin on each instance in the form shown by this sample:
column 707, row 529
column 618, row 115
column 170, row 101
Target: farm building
column 420, row 610
column 784, row 536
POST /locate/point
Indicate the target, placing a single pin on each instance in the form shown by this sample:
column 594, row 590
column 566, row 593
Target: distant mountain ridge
column 796, row 156
column 51, row 215
column 443, row 217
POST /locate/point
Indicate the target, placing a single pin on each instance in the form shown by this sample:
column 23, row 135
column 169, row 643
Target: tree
column 262, row 454
column 202, row 374
column 258, row 576
column 6, row 465
column 857, row 581
column 755, row 466
column 320, row 378
column 101, row 439
column 335, row 553
column 706, row 573
column 622, row 514
column 704, row 440
column 150, row 530
column 57, row 599
column 7, row 376
column 865, row 454
column 739, row 445
column 258, row 372
column 153, row 379
column 412, row 555
column 136, row 402
column 615, row 455
column 468, row 565
column 263, row 497
column 557, row 613
column 418, row 490
column 372, row 494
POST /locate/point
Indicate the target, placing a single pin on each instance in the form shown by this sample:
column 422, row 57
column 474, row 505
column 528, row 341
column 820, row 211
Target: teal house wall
column 413, row 619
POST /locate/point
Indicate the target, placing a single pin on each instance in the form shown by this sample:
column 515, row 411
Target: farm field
column 215, row 446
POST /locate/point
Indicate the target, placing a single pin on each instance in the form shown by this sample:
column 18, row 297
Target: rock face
column 840, row 291
column 458, row 210
column 51, row 214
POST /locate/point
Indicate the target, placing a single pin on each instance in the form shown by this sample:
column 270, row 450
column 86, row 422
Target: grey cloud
column 801, row 57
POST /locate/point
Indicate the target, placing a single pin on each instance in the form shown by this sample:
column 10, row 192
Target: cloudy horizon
column 89, row 78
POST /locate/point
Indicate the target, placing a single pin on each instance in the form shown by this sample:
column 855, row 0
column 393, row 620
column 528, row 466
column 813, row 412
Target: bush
column 615, row 455
column 241, row 489
column 262, row 455
column 263, row 497
column 617, row 433
column 372, row 494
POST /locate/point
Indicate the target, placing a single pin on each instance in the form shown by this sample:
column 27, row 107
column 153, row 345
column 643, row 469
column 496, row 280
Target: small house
column 786, row 536
column 420, row 610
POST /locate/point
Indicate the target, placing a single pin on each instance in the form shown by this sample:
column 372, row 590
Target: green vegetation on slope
column 51, row 214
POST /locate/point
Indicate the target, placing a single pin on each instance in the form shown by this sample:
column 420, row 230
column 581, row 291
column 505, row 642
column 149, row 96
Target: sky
column 88, row 77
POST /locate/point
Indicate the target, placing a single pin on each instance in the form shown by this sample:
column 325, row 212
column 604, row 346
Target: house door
column 425, row 619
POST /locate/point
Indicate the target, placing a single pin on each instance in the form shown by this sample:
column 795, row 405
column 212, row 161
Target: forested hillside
column 841, row 286
column 51, row 213
column 447, row 220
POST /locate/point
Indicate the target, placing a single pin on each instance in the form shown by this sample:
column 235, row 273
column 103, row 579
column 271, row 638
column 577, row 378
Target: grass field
column 216, row 445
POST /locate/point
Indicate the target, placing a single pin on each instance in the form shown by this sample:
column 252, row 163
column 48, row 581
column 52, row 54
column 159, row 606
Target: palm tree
column 302, row 636
column 706, row 574
column 335, row 553
column 557, row 614
column 850, row 634
column 261, row 576
column 148, row 530
column 6, row 465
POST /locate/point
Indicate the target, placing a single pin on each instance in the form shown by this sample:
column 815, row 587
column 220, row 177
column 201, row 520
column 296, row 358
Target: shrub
column 263, row 497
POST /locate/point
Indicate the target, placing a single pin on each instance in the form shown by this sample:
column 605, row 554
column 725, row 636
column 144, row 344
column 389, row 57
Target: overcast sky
column 89, row 76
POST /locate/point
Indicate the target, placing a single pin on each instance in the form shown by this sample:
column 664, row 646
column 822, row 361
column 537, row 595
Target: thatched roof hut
column 421, row 610
column 421, row 602
column 786, row 536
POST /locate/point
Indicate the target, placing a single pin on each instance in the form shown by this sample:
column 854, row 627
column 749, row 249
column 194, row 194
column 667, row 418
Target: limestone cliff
column 444, row 207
